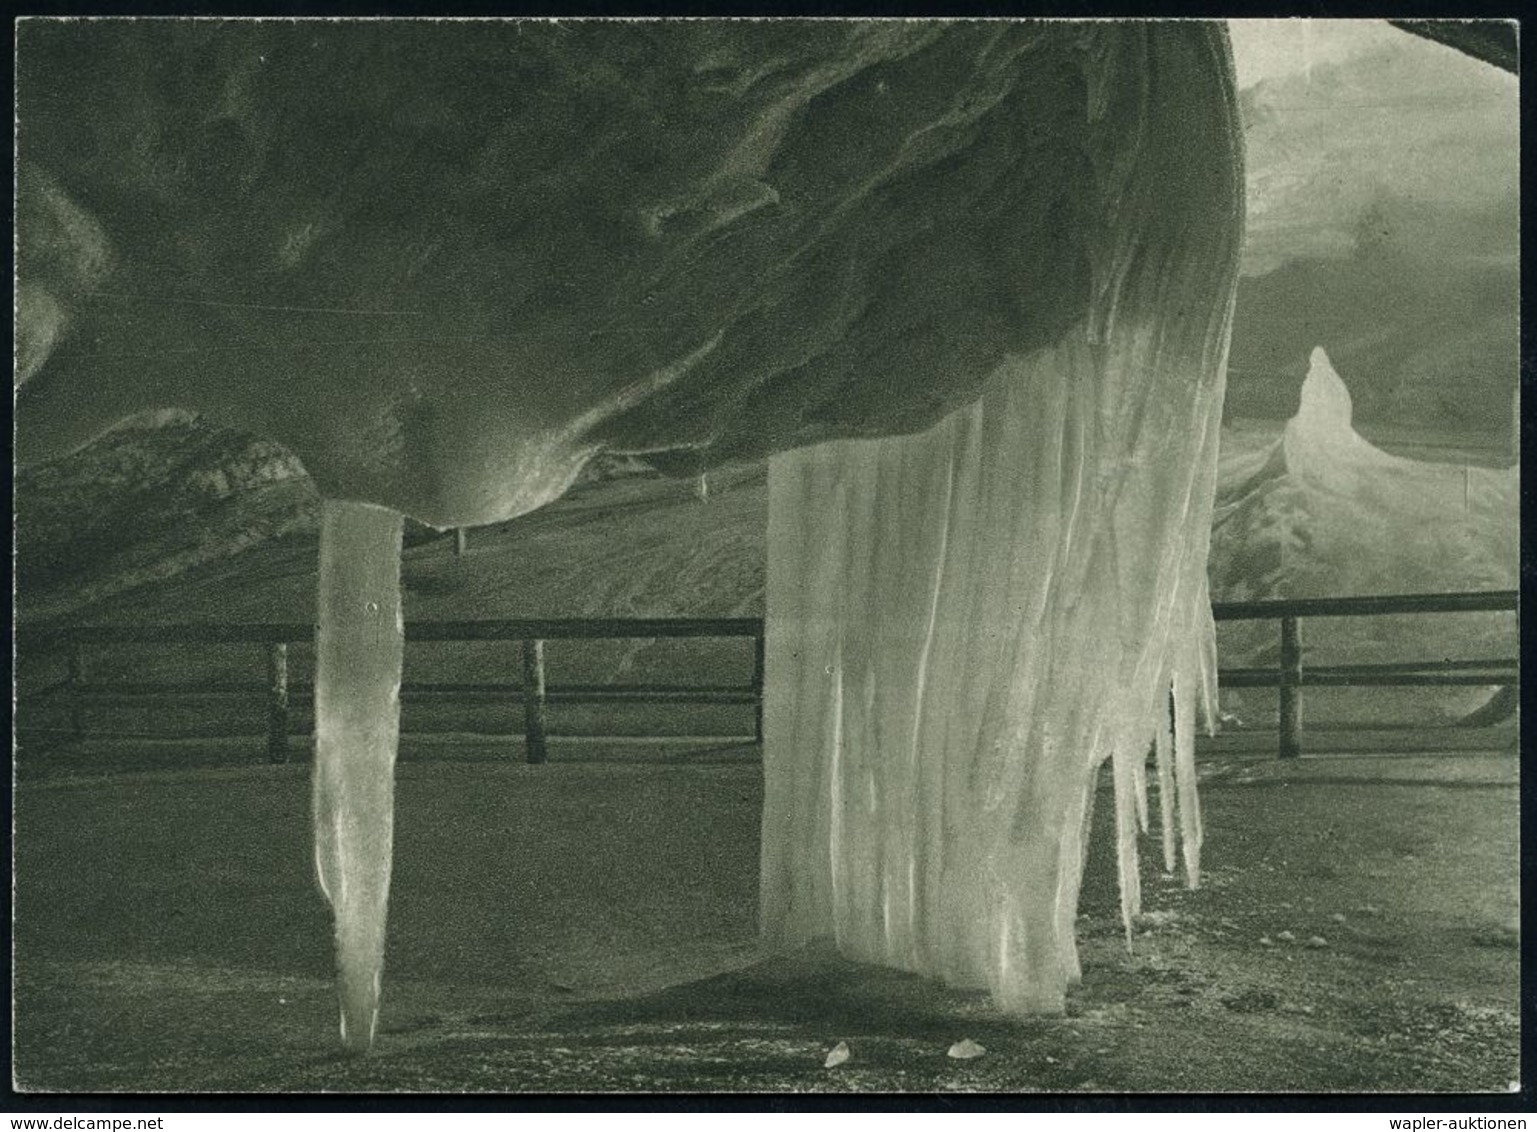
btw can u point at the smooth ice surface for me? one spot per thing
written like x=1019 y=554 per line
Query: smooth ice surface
x=357 y=722
x=966 y=623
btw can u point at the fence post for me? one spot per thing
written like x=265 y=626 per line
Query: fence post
x=533 y=699
x=1291 y=688
x=77 y=679
x=757 y=683
x=277 y=702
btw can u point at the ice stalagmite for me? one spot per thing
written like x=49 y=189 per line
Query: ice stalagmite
x=966 y=623
x=357 y=722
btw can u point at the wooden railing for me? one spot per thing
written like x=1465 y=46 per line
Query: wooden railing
x=533 y=690
x=1290 y=676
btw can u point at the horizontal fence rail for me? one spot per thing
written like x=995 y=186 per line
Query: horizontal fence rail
x=547 y=629
x=1470 y=601
x=534 y=692
x=1290 y=675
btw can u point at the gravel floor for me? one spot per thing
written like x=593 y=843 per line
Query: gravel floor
x=592 y=927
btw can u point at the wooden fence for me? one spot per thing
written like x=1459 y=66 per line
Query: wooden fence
x=1290 y=676
x=532 y=690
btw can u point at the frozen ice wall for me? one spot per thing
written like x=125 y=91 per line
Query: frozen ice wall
x=965 y=624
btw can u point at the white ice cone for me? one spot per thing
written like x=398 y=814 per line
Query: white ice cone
x=357 y=721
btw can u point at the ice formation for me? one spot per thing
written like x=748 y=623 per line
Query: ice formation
x=357 y=721
x=768 y=236
x=966 y=623
x=950 y=659
x=1322 y=511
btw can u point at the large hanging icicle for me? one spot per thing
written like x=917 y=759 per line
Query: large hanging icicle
x=965 y=624
x=357 y=722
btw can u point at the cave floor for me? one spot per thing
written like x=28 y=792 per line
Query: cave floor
x=591 y=927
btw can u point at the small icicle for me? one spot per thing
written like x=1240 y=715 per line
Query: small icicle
x=1139 y=787
x=357 y=719
x=1163 y=746
x=1123 y=765
x=1205 y=637
x=1185 y=779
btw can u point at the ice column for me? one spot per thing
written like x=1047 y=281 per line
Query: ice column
x=963 y=625
x=357 y=723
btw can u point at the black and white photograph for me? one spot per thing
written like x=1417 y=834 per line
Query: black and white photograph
x=692 y=556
